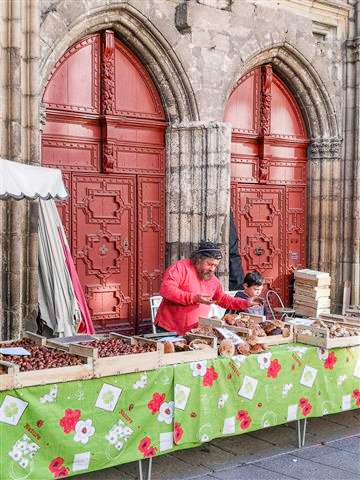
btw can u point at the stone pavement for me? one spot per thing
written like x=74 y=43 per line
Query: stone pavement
x=332 y=451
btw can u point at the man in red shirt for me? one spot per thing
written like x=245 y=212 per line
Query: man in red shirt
x=189 y=287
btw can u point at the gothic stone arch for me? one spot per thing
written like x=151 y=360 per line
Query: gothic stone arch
x=324 y=205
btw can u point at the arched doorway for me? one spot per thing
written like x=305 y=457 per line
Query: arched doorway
x=105 y=129
x=268 y=176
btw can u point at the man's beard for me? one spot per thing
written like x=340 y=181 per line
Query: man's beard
x=205 y=275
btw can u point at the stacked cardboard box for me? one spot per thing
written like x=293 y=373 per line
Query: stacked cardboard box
x=312 y=292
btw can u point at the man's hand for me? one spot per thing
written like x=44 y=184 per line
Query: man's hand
x=256 y=301
x=203 y=299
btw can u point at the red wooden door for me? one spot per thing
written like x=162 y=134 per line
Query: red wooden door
x=268 y=176
x=105 y=130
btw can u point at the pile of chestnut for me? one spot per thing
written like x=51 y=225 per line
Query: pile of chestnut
x=112 y=347
x=41 y=357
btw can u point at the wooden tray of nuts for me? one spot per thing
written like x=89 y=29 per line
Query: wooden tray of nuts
x=269 y=332
x=44 y=365
x=328 y=334
x=114 y=354
x=230 y=343
x=192 y=349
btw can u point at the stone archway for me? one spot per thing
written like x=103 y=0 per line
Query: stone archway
x=325 y=212
x=196 y=152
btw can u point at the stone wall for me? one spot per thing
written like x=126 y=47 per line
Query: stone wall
x=196 y=51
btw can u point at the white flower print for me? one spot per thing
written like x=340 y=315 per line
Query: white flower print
x=264 y=360
x=322 y=353
x=142 y=382
x=166 y=412
x=341 y=379
x=23 y=462
x=111 y=437
x=16 y=454
x=239 y=360
x=300 y=351
x=286 y=388
x=204 y=438
x=198 y=368
x=222 y=400
x=118 y=445
x=51 y=396
x=325 y=411
x=84 y=430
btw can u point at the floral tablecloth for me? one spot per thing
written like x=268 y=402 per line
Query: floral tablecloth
x=60 y=430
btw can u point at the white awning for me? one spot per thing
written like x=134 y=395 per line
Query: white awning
x=18 y=181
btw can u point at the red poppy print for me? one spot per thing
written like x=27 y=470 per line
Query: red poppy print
x=62 y=473
x=274 y=368
x=156 y=402
x=151 y=452
x=40 y=423
x=56 y=464
x=144 y=444
x=209 y=377
x=356 y=396
x=302 y=402
x=330 y=361
x=306 y=409
x=243 y=417
x=305 y=406
x=69 y=420
x=178 y=432
x=245 y=423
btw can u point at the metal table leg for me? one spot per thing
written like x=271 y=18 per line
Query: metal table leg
x=140 y=470
x=149 y=468
x=141 y=475
x=301 y=431
x=304 y=432
x=298 y=429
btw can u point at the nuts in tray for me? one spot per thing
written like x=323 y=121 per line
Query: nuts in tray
x=186 y=344
x=112 y=347
x=336 y=330
x=41 y=357
x=227 y=348
x=261 y=329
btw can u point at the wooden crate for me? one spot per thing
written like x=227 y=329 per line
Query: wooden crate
x=135 y=362
x=320 y=336
x=348 y=319
x=243 y=331
x=14 y=378
x=191 y=355
x=8 y=372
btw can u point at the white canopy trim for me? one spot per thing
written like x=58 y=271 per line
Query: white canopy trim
x=18 y=181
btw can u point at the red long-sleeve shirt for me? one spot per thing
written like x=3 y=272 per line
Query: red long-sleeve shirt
x=181 y=283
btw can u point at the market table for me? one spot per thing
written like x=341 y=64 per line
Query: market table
x=64 y=429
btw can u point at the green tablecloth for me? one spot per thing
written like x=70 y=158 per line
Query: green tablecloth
x=54 y=431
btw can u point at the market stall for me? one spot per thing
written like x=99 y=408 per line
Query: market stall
x=64 y=429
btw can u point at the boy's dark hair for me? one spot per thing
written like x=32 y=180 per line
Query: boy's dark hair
x=253 y=278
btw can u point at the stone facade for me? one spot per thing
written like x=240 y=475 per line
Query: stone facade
x=195 y=51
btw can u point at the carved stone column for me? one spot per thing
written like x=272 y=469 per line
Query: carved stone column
x=351 y=188
x=325 y=216
x=19 y=137
x=198 y=188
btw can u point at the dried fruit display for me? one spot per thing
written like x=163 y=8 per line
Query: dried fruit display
x=112 y=347
x=41 y=357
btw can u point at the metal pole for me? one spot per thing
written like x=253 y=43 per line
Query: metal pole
x=140 y=470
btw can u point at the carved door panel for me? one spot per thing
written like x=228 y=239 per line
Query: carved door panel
x=269 y=175
x=259 y=213
x=151 y=242
x=105 y=129
x=104 y=247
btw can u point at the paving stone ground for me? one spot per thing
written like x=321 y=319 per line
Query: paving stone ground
x=331 y=452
